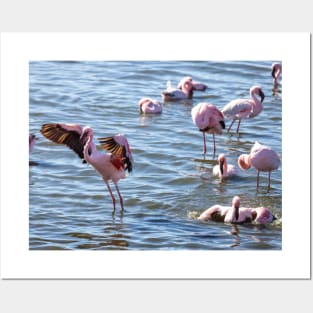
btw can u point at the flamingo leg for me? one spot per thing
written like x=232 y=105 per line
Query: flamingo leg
x=269 y=180
x=120 y=196
x=214 y=146
x=231 y=124
x=204 y=143
x=257 y=179
x=111 y=194
x=239 y=121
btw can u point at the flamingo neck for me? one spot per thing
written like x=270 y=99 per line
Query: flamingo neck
x=257 y=105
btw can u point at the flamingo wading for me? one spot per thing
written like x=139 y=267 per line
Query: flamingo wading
x=111 y=166
x=209 y=119
x=239 y=109
x=262 y=158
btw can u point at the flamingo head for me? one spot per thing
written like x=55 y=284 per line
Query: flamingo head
x=244 y=161
x=187 y=88
x=258 y=91
x=142 y=102
x=86 y=135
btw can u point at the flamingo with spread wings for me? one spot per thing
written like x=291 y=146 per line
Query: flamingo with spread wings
x=111 y=166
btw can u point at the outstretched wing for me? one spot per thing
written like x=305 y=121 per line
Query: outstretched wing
x=66 y=134
x=118 y=149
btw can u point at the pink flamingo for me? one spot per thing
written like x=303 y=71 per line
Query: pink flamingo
x=173 y=94
x=223 y=169
x=227 y=214
x=209 y=119
x=262 y=158
x=239 y=109
x=149 y=106
x=262 y=215
x=236 y=214
x=276 y=72
x=196 y=86
x=111 y=166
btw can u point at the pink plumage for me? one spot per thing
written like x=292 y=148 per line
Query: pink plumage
x=209 y=119
x=239 y=109
x=262 y=158
x=236 y=214
x=149 y=106
x=111 y=166
x=223 y=169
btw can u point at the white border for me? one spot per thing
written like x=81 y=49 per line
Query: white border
x=17 y=49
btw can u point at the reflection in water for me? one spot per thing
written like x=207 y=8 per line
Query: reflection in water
x=235 y=232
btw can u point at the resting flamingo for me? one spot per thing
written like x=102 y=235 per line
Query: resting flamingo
x=222 y=169
x=173 y=94
x=149 y=106
x=236 y=214
x=111 y=166
x=276 y=73
x=262 y=158
x=239 y=109
x=209 y=119
x=196 y=86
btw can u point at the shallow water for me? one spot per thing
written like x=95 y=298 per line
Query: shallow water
x=172 y=183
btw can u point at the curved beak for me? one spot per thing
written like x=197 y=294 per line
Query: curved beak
x=236 y=213
x=273 y=72
x=221 y=167
x=262 y=95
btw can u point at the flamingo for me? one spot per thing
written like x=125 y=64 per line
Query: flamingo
x=276 y=72
x=236 y=214
x=262 y=158
x=244 y=108
x=149 y=106
x=223 y=169
x=262 y=215
x=196 y=86
x=111 y=166
x=173 y=94
x=209 y=119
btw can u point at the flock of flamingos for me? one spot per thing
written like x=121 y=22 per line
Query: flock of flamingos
x=112 y=166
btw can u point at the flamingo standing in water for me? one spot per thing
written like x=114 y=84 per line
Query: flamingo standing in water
x=196 y=86
x=222 y=169
x=236 y=214
x=262 y=158
x=111 y=166
x=209 y=119
x=276 y=72
x=239 y=109
x=173 y=94
x=149 y=106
